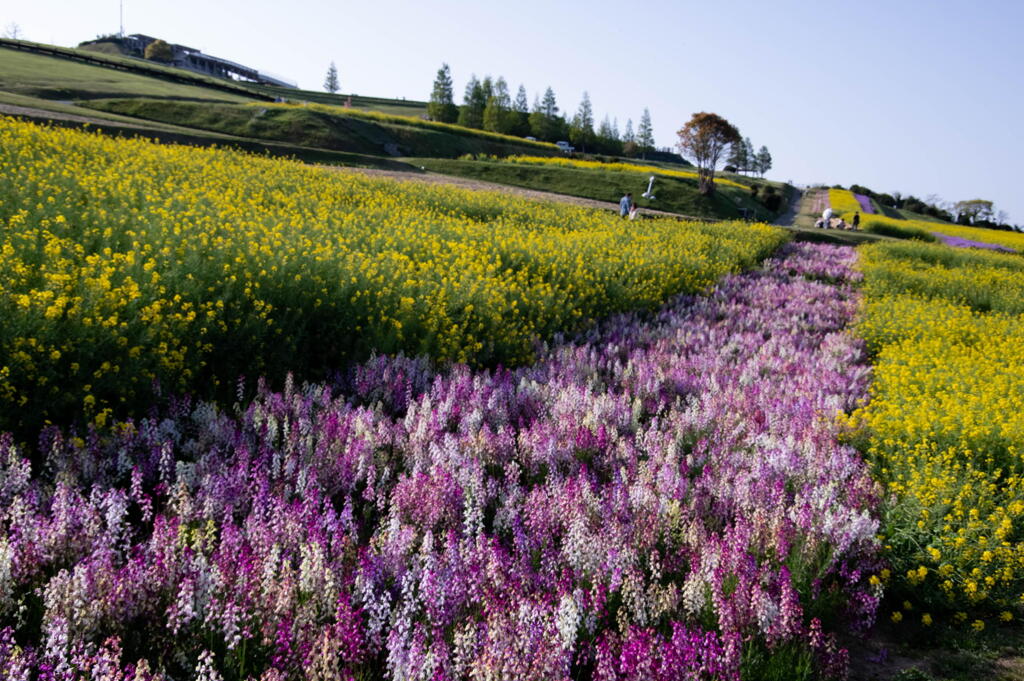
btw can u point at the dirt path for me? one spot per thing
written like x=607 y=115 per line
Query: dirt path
x=789 y=217
x=42 y=114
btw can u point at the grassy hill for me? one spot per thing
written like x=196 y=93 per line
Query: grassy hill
x=400 y=107
x=326 y=127
x=676 y=195
x=128 y=96
x=63 y=73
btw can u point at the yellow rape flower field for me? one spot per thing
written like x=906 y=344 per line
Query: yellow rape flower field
x=843 y=202
x=129 y=267
x=944 y=429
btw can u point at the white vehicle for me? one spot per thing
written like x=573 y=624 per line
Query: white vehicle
x=565 y=146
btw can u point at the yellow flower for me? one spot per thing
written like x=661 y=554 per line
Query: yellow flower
x=897 y=616
x=926 y=619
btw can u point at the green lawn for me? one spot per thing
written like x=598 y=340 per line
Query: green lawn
x=119 y=125
x=399 y=107
x=674 y=195
x=316 y=127
x=47 y=77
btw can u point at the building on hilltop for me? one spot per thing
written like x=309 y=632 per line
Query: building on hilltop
x=185 y=57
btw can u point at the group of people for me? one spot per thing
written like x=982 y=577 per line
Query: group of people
x=627 y=207
x=826 y=221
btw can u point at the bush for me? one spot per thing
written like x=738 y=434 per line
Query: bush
x=159 y=50
x=772 y=202
x=887 y=227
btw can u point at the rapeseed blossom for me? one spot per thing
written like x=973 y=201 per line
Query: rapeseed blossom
x=844 y=203
x=129 y=268
x=943 y=430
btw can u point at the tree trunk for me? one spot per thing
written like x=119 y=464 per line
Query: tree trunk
x=706 y=184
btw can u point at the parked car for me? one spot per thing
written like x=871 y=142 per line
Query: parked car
x=532 y=139
x=565 y=146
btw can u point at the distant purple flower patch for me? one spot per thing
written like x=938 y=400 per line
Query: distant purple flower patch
x=959 y=242
x=865 y=203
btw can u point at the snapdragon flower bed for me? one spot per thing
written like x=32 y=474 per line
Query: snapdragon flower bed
x=662 y=498
x=960 y=242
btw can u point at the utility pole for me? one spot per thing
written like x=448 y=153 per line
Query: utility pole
x=122 y=18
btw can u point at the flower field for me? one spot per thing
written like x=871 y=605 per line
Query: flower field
x=996 y=237
x=623 y=167
x=960 y=242
x=663 y=497
x=865 y=204
x=944 y=430
x=919 y=230
x=130 y=268
x=470 y=439
x=844 y=203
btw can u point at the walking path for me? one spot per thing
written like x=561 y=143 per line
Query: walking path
x=789 y=217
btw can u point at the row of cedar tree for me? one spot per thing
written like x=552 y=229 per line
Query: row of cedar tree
x=488 y=105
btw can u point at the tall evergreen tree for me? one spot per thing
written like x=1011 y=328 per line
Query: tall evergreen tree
x=748 y=152
x=471 y=113
x=545 y=123
x=548 y=105
x=487 y=88
x=629 y=135
x=581 y=129
x=615 y=130
x=441 y=106
x=521 y=113
x=737 y=157
x=522 y=104
x=645 y=134
x=536 y=119
x=331 y=81
x=499 y=106
x=764 y=161
x=608 y=141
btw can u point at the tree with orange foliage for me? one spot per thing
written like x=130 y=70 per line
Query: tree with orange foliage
x=704 y=139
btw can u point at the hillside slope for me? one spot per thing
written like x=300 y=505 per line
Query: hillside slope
x=327 y=128
x=54 y=72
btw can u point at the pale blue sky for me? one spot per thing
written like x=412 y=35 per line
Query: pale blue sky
x=917 y=96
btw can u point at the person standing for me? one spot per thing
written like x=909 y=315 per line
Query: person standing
x=826 y=217
x=624 y=204
x=633 y=211
x=856 y=220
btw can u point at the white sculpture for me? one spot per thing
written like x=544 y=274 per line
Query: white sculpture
x=647 y=194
